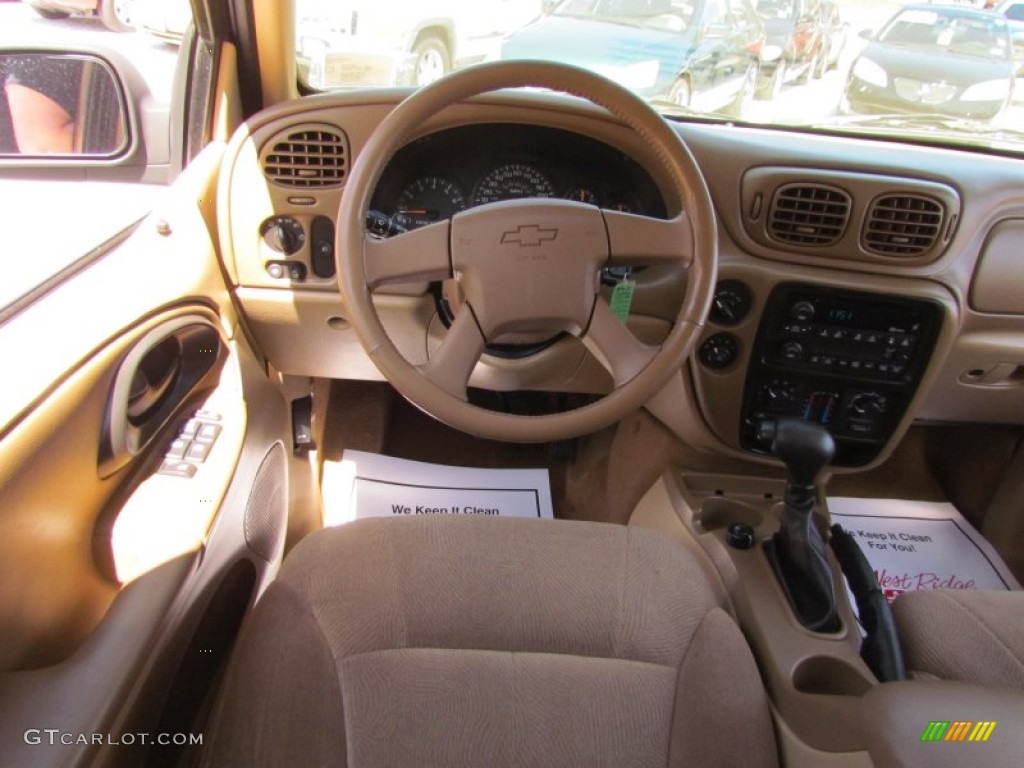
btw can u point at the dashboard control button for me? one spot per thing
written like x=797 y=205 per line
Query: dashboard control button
x=869 y=404
x=792 y=350
x=731 y=303
x=720 y=351
x=322 y=255
x=802 y=311
x=283 y=234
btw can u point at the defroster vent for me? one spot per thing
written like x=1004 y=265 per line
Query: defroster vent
x=902 y=225
x=307 y=156
x=808 y=214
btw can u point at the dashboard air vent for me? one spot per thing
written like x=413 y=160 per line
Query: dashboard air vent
x=808 y=214
x=902 y=225
x=307 y=156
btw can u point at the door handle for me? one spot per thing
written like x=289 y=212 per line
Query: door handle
x=166 y=369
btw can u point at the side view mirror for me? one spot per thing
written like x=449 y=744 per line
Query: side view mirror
x=81 y=112
x=61 y=104
x=547 y=6
x=867 y=34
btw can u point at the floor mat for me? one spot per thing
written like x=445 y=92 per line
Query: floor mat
x=371 y=485
x=915 y=545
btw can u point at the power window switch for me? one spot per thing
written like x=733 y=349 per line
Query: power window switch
x=176 y=468
x=199 y=451
x=178 y=448
x=208 y=433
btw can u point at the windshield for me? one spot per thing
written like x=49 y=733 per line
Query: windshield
x=919 y=72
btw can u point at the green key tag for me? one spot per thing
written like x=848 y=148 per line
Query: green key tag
x=622 y=299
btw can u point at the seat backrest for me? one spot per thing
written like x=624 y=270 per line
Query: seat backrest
x=971 y=636
x=491 y=642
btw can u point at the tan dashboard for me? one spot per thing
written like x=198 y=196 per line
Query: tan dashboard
x=859 y=282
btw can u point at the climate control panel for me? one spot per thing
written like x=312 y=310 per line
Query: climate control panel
x=848 y=360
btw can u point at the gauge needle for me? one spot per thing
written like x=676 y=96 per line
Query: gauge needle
x=415 y=211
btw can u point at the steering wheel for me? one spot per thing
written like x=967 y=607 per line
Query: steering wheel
x=527 y=265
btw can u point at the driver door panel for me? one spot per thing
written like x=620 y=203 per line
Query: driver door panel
x=118 y=575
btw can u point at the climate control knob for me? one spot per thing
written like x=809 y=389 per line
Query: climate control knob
x=869 y=404
x=720 y=351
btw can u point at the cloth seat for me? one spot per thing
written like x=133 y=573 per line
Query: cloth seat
x=472 y=642
x=972 y=636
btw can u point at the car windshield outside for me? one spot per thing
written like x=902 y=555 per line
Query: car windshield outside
x=820 y=65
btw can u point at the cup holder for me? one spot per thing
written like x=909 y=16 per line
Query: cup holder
x=717 y=513
x=829 y=675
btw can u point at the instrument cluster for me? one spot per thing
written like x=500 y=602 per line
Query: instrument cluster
x=435 y=177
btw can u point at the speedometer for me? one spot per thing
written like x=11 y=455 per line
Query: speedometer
x=511 y=182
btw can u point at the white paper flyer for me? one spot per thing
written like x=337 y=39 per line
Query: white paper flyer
x=371 y=485
x=920 y=545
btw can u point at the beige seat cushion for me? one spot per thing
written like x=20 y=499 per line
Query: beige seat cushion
x=972 y=636
x=471 y=642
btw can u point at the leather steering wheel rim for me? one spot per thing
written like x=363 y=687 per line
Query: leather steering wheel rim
x=436 y=252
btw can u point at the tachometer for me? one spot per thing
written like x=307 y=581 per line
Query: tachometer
x=426 y=200
x=511 y=182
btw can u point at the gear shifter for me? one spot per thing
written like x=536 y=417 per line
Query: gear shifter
x=797 y=551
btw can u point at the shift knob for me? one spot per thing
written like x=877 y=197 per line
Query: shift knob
x=805 y=447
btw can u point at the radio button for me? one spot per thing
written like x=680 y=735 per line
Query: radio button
x=802 y=311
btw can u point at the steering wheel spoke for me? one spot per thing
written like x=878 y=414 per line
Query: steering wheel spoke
x=420 y=255
x=619 y=351
x=640 y=240
x=452 y=364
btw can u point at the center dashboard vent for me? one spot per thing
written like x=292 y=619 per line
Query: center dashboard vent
x=307 y=156
x=902 y=225
x=808 y=214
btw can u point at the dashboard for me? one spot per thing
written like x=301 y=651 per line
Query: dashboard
x=863 y=284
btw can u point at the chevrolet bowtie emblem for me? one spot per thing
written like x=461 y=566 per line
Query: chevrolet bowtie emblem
x=529 y=236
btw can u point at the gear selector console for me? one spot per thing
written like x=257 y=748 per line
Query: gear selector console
x=850 y=361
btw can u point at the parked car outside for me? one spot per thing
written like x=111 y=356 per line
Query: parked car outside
x=116 y=15
x=164 y=19
x=835 y=31
x=946 y=60
x=795 y=43
x=366 y=43
x=1013 y=10
x=699 y=54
